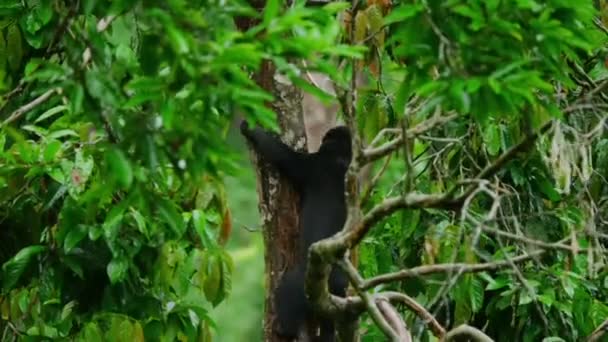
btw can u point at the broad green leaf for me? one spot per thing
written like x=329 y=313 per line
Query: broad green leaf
x=403 y=12
x=117 y=269
x=100 y=87
x=213 y=277
x=14 y=267
x=51 y=150
x=92 y=333
x=271 y=10
x=73 y=237
x=492 y=139
x=547 y=188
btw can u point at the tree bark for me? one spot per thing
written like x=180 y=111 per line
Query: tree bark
x=278 y=201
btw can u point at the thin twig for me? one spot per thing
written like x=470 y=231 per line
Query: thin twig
x=29 y=106
x=446 y=268
x=369 y=155
x=539 y=243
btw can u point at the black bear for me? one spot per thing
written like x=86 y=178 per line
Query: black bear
x=319 y=180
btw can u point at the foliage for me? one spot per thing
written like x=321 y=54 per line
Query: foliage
x=113 y=155
x=506 y=68
x=113 y=211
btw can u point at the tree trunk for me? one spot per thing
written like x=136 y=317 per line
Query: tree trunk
x=278 y=201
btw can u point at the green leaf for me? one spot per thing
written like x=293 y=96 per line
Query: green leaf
x=51 y=112
x=492 y=139
x=95 y=232
x=92 y=333
x=39 y=131
x=476 y=294
x=169 y=213
x=73 y=237
x=200 y=223
x=125 y=55
x=547 y=188
x=68 y=309
x=33 y=65
x=140 y=221
x=119 y=167
x=113 y=222
x=333 y=7
x=15 y=266
x=117 y=269
x=178 y=40
x=271 y=10
x=100 y=87
x=44 y=12
x=76 y=99
x=51 y=150
x=403 y=12
x=212 y=283
x=62 y=133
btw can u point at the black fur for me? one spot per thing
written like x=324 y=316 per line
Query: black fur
x=319 y=180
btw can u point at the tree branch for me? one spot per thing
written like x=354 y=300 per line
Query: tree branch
x=372 y=154
x=446 y=268
x=394 y=319
x=368 y=301
x=598 y=332
x=504 y=158
x=31 y=105
x=539 y=243
x=464 y=329
x=419 y=310
x=387 y=207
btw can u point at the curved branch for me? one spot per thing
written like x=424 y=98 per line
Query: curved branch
x=437 y=329
x=372 y=308
x=391 y=315
x=468 y=330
